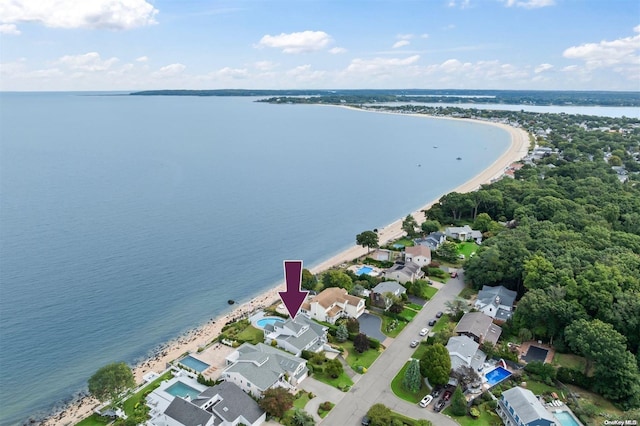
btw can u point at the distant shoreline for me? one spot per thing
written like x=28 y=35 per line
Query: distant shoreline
x=203 y=334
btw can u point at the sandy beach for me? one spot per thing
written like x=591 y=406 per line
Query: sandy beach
x=203 y=335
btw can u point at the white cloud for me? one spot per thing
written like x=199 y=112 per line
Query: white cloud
x=97 y=14
x=305 y=74
x=542 y=68
x=405 y=36
x=400 y=43
x=300 y=42
x=337 y=50
x=232 y=73
x=636 y=29
x=380 y=65
x=9 y=29
x=425 y=35
x=530 y=4
x=88 y=62
x=463 y=4
x=170 y=70
x=142 y=59
x=623 y=51
x=265 y=65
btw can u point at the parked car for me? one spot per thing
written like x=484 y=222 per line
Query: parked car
x=454 y=274
x=414 y=343
x=436 y=392
x=424 y=331
x=426 y=401
x=365 y=421
x=439 y=314
x=440 y=405
x=432 y=323
x=446 y=395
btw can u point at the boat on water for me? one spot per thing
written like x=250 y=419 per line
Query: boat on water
x=435 y=146
x=459 y=158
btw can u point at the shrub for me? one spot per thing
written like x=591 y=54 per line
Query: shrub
x=474 y=412
x=546 y=372
x=326 y=406
x=374 y=343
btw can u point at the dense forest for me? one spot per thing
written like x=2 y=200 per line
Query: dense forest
x=565 y=234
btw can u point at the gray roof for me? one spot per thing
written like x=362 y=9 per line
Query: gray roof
x=187 y=413
x=468 y=349
x=310 y=330
x=479 y=325
x=390 y=287
x=235 y=403
x=497 y=295
x=272 y=363
x=503 y=314
x=526 y=405
x=407 y=268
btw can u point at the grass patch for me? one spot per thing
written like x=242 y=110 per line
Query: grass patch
x=392 y=333
x=94 y=420
x=607 y=411
x=301 y=402
x=468 y=293
x=402 y=393
x=538 y=388
x=405 y=242
x=467 y=248
x=429 y=292
x=251 y=334
x=570 y=361
x=420 y=350
x=138 y=397
x=441 y=323
x=408 y=314
x=355 y=358
x=342 y=382
x=487 y=417
x=414 y=306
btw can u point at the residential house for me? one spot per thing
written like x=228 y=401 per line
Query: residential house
x=379 y=294
x=297 y=335
x=256 y=368
x=464 y=351
x=333 y=303
x=479 y=327
x=496 y=302
x=464 y=233
x=420 y=255
x=224 y=404
x=404 y=272
x=520 y=407
x=433 y=240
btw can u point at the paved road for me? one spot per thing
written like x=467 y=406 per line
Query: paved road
x=375 y=386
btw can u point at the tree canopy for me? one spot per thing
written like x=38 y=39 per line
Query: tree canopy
x=435 y=364
x=275 y=401
x=110 y=381
x=367 y=239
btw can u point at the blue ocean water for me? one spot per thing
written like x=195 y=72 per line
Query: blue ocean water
x=126 y=220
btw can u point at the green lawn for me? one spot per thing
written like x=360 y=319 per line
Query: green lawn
x=322 y=413
x=442 y=323
x=570 y=361
x=342 y=382
x=354 y=358
x=402 y=393
x=429 y=292
x=251 y=334
x=538 y=388
x=301 y=402
x=405 y=242
x=408 y=314
x=138 y=397
x=94 y=420
x=420 y=350
x=467 y=248
x=487 y=417
x=414 y=306
x=468 y=293
x=393 y=333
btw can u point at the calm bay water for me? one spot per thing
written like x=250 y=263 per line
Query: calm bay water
x=127 y=220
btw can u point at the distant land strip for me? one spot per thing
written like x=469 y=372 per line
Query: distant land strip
x=451 y=96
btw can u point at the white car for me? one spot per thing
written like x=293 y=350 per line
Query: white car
x=426 y=401
x=424 y=331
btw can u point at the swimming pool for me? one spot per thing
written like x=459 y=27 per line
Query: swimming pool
x=268 y=320
x=497 y=375
x=566 y=419
x=194 y=364
x=364 y=270
x=182 y=390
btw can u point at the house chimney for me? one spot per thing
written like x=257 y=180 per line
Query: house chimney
x=480 y=338
x=497 y=300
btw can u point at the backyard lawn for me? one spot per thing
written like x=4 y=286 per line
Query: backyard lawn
x=355 y=359
x=402 y=393
x=467 y=248
x=569 y=361
x=138 y=397
x=487 y=417
x=405 y=242
x=94 y=420
x=251 y=334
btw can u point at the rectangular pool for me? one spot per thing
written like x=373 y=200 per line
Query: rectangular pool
x=497 y=375
x=194 y=364
x=565 y=418
x=182 y=390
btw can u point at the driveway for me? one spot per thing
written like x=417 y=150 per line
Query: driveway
x=371 y=325
x=323 y=393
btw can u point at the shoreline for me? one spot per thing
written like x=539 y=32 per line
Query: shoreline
x=203 y=334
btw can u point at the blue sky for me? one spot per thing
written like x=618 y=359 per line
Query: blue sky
x=288 y=44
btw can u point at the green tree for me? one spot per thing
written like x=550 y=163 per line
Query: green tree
x=110 y=381
x=456 y=306
x=361 y=343
x=367 y=239
x=448 y=251
x=335 y=278
x=412 y=381
x=309 y=281
x=379 y=415
x=275 y=401
x=614 y=160
x=334 y=368
x=409 y=225
x=429 y=226
x=435 y=364
x=458 y=403
x=482 y=222
x=302 y=418
x=353 y=326
x=342 y=334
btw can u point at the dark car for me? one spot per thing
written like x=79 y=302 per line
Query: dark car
x=439 y=314
x=432 y=323
x=436 y=392
x=365 y=421
x=439 y=406
x=446 y=395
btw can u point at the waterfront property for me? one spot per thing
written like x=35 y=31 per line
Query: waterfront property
x=193 y=363
x=479 y=327
x=331 y=304
x=404 y=272
x=496 y=302
x=295 y=336
x=418 y=254
x=520 y=407
x=433 y=240
x=464 y=233
x=256 y=368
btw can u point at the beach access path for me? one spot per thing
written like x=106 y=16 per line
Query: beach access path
x=201 y=336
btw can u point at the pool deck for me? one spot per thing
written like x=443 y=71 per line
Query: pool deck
x=557 y=406
x=375 y=271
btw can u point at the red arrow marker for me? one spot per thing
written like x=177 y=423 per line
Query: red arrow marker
x=293 y=297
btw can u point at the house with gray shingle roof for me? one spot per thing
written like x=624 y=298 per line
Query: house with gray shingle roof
x=496 y=302
x=464 y=233
x=295 y=336
x=256 y=368
x=479 y=327
x=520 y=407
x=379 y=293
x=418 y=254
x=433 y=240
x=464 y=351
x=404 y=272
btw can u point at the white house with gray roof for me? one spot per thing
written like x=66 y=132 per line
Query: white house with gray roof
x=418 y=254
x=496 y=302
x=379 y=293
x=479 y=327
x=404 y=272
x=433 y=240
x=520 y=407
x=463 y=233
x=295 y=336
x=256 y=368
x=464 y=351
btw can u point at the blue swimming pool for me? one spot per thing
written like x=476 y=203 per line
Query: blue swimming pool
x=268 y=320
x=497 y=375
x=194 y=364
x=566 y=419
x=182 y=390
x=364 y=270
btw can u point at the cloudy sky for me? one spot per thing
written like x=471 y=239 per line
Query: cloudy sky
x=278 y=44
